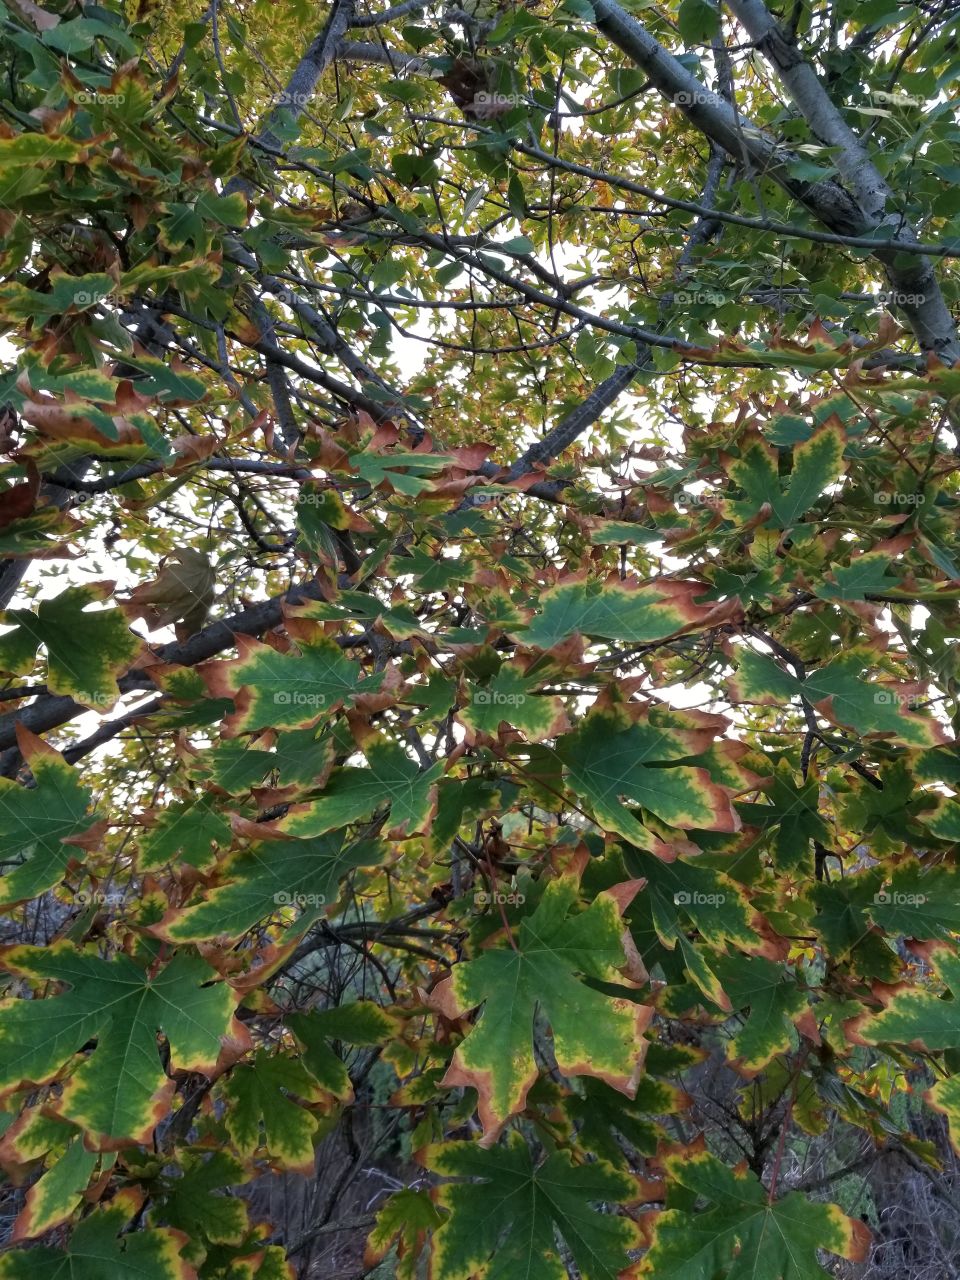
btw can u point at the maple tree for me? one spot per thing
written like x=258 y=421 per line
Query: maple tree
x=540 y=425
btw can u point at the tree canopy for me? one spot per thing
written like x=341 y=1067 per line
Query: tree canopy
x=479 y=565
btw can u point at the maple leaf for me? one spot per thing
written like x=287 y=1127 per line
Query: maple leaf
x=616 y=610
x=407 y=1218
x=602 y=1113
x=775 y=1002
x=503 y=1222
x=839 y=691
x=122 y=1007
x=262 y=880
x=593 y=1033
x=358 y=1022
x=189 y=1201
x=96 y=1249
x=85 y=651
x=56 y=1196
x=512 y=697
x=261 y=1109
x=608 y=760
x=744 y=1235
x=189 y=831
x=817 y=463
x=792 y=812
x=287 y=690
x=923 y=1019
x=40 y=823
x=261 y=1094
x=352 y=794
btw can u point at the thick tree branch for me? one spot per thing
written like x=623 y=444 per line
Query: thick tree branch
x=52 y=710
x=929 y=318
x=829 y=201
x=577 y=420
x=389 y=15
x=300 y=87
x=367 y=51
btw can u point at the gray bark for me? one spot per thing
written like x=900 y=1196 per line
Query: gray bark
x=919 y=299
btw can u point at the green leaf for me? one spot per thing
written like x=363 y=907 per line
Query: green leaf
x=85 y=651
x=29 y=149
x=270 y=877
x=190 y=1203
x=359 y=1023
x=122 y=1007
x=615 y=611
x=185 y=832
x=843 y=923
x=614 y=532
x=287 y=690
x=775 y=1003
x=743 y=1235
x=713 y=903
x=920 y=1018
x=609 y=761
x=406 y=473
x=399 y=619
x=839 y=691
x=601 y=1113
x=54 y=1198
x=865 y=575
x=512 y=697
x=37 y=822
x=261 y=1110
x=504 y=1221
x=406 y=1219
x=229 y=210
x=792 y=813
x=519 y=244
x=817 y=463
x=593 y=1034
x=697 y=21
x=918 y=903
x=79 y=34
x=95 y=1251
x=352 y=794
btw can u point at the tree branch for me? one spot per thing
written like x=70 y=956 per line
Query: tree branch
x=929 y=318
x=828 y=200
